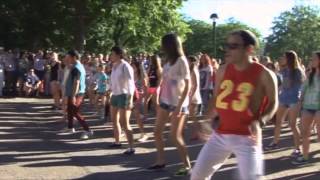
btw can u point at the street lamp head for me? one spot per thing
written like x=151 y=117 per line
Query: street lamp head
x=214 y=16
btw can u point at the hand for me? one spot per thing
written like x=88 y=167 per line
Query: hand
x=177 y=112
x=256 y=132
x=215 y=122
x=130 y=104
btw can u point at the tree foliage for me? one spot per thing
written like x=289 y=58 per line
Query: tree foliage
x=298 y=30
x=137 y=24
x=201 y=37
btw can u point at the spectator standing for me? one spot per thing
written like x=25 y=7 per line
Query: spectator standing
x=10 y=73
x=39 y=65
x=206 y=72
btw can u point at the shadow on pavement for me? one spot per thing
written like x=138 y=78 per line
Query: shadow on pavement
x=30 y=130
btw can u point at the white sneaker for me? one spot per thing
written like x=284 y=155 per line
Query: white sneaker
x=67 y=131
x=122 y=134
x=86 y=135
x=143 y=138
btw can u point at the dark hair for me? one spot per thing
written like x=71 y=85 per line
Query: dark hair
x=172 y=47
x=292 y=63
x=73 y=53
x=138 y=66
x=248 y=37
x=22 y=54
x=256 y=59
x=119 y=51
x=271 y=66
x=193 y=62
x=155 y=62
x=313 y=71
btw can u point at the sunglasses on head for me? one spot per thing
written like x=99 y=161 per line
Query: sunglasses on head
x=232 y=46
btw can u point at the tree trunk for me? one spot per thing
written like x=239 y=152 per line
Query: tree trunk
x=118 y=32
x=80 y=25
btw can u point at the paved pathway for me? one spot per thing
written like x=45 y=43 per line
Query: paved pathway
x=31 y=149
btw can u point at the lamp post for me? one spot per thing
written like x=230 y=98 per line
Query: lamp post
x=214 y=18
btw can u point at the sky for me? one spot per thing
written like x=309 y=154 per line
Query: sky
x=255 y=13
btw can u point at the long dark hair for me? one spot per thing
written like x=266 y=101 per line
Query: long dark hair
x=155 y=62
x=292 y=63
x=140 y=71
x=172 y=47
x=314 y=70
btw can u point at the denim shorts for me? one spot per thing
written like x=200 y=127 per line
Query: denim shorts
x=120 y=101
x=287 y=105
x=171 y=108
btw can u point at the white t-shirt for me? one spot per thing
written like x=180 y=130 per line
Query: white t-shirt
x=196 y=98
x=173 y=82
x=122 y=79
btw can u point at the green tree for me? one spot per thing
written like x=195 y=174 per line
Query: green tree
x=201 y=40
x=296 y=30
x=32 y=23
x=137 y=24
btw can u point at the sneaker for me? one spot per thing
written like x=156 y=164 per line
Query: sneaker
x=115 y=145
x=300 y=161
x=143 y=138
x=156 y=167
x=182 y=172
x=122 y=134
x=129 y=151
x=271 y=146
x=67 y=131
x=296 y=153
x=86 y=135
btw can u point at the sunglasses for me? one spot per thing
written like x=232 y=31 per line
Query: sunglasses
x=232 y=46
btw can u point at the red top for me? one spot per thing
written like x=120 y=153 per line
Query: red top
x=234 y=97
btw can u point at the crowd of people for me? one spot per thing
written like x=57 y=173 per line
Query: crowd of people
x=237 y=97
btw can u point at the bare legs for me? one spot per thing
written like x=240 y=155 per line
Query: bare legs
x=177 y=126
x=120 y=117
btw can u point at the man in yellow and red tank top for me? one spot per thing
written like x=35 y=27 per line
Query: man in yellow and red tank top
x=245 y=98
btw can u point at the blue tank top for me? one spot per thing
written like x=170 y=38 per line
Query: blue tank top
x=80 y=68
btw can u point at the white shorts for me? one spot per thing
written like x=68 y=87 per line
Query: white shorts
x=218 y=149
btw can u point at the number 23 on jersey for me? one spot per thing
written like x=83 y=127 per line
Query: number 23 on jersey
x=241 y=101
